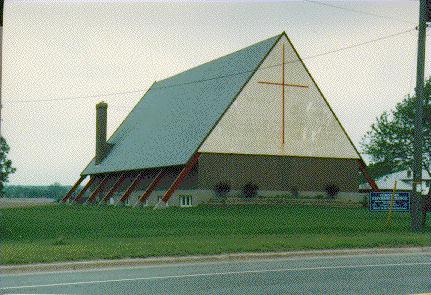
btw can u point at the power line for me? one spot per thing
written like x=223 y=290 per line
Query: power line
x=80 y=97
x=297 y=60
x=360 y=11
x=222 y=76
x=363 y=43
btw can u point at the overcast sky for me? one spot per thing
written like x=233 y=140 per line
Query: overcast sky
x=56 y=50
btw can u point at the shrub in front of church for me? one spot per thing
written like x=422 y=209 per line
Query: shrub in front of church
x=221 y=190
x=364 y=202
x=332 y=190
x=249 y=190
x=294 y=191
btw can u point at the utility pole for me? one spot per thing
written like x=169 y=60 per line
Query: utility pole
x=1 y=56
x=418 y=130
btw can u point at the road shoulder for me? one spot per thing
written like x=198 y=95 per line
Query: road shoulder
x=131 y=262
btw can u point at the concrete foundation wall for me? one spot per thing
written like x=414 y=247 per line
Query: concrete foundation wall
x=198 y=197
x=210 y=194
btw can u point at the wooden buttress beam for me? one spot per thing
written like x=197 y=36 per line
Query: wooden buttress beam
x=84 y=189
x=367 y=176
x=131 y=188
x=180 y=178
x=98 y=189
x=74 y=187
x=114 y=188
x=151 y=187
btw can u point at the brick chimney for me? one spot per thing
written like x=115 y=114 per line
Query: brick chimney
x=102 y=147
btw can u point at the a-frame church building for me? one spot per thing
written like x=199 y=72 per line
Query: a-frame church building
x=255 y=116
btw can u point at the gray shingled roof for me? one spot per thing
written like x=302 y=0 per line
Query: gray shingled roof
x=174 y=117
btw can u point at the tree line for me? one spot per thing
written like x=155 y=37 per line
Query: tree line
x=53 y=191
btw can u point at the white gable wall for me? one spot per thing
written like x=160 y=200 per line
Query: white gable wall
x=252 y=124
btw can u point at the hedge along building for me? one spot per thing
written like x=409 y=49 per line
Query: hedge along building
x=255 y=116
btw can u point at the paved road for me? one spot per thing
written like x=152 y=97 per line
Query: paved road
x=367 y=274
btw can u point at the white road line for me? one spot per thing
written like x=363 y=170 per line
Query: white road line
x=215 y=262
x=219 y=274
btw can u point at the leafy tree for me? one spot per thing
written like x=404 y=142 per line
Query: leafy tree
x=390 y=140
x=5 y=165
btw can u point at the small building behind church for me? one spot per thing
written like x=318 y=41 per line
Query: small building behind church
x=254 y=118
x=403 y=180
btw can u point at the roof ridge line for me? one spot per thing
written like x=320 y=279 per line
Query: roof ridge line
x=217 y=58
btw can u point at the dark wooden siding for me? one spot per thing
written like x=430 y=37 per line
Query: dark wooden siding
x=277 y=173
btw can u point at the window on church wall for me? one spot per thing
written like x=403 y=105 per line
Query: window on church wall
x=185 y=201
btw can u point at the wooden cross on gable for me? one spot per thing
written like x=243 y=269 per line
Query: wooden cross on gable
x=283 y=85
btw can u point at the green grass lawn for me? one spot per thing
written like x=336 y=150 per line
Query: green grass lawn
x=60 y=233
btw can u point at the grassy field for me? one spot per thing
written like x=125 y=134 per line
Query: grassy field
x=60 y=233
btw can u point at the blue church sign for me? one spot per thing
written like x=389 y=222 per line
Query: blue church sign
x=382 y=201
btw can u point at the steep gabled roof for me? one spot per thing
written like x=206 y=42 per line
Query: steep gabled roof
x=175 y=116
